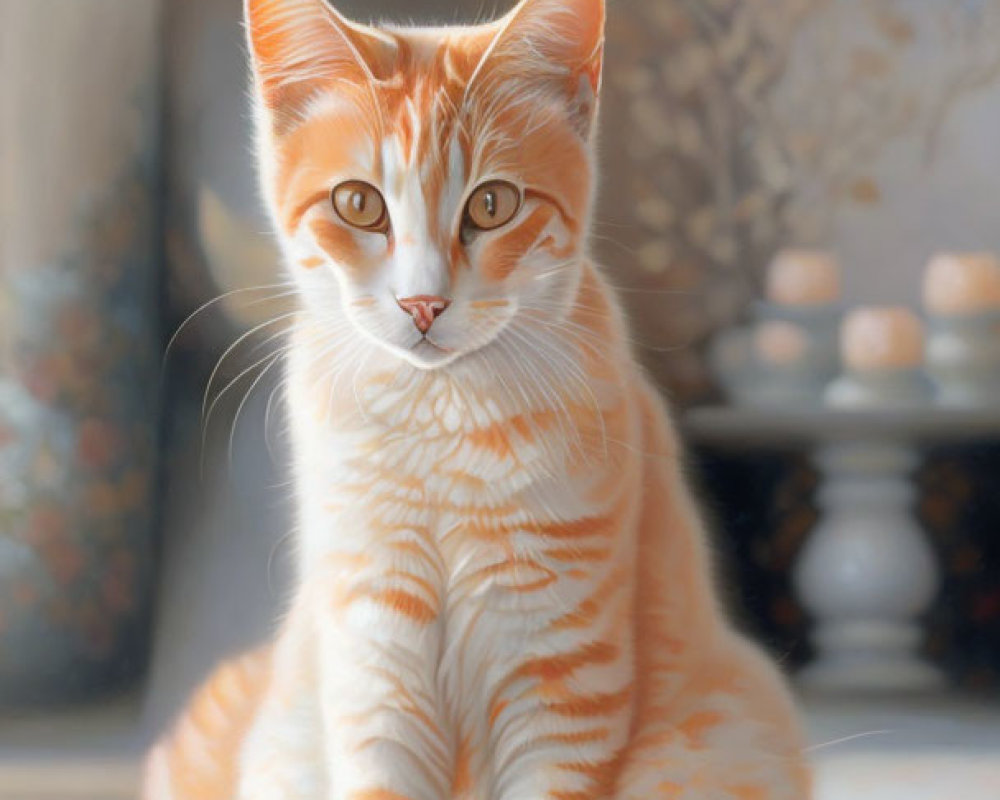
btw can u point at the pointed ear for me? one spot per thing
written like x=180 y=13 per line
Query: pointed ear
x=557 y=45
x=301 y=46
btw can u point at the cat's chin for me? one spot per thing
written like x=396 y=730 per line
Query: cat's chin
x=428 y=356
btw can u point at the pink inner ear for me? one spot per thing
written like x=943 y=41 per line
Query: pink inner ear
x=570 y=31
x=555 y=42
x=593 y=70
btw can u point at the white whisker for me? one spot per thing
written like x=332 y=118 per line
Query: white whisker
x=214 y=301
x=846 y=739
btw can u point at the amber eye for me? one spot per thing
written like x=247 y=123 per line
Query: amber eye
x=492 y=205
x=360 y=204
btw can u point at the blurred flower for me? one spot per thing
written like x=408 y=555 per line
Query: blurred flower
x=987 y=606
x=99 y=443
x=118 y=589
x=46 y=524
x=64 y=561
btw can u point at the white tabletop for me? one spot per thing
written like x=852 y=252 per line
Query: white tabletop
x=938 y=748
x=739 y=427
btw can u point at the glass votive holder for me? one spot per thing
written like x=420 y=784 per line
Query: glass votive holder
x=962 y=300
x=883 y=354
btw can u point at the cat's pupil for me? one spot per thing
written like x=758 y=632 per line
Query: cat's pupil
x=358 y=201
x=490 y=203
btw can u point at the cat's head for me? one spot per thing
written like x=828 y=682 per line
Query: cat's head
x=429 y=185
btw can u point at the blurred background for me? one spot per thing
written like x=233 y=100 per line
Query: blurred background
x=799 y=207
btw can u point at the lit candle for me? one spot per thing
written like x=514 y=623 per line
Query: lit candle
x=876 y=339
x=962 y=283
x=804 y=278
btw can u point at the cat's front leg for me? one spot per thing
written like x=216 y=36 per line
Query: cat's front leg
x=546 y=675
x=281 y=757
x=380 y=633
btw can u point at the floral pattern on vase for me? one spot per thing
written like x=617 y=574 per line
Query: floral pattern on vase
x=78 y=355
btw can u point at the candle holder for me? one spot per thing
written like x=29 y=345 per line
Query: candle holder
x=731 y=359
x=962 y=298
x=883 y=353
x=963 y=359
x=788 y=353
x=819 y=359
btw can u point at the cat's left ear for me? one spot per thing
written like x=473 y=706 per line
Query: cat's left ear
x=301 y=47
x=553 y=46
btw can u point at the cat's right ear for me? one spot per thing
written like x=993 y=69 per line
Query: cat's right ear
x=300 y=48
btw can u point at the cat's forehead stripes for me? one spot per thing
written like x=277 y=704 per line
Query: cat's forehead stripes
x=414 y=131
x=421 y=132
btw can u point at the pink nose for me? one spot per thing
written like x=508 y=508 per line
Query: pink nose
x=424 y=309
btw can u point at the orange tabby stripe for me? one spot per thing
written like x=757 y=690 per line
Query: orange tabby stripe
x=592 y=705
x=407 y=604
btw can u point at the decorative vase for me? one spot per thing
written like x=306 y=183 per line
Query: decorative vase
x=79 y=349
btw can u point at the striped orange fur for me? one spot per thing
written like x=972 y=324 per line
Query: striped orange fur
x=504 y=590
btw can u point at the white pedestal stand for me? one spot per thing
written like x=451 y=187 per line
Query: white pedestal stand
x=867 y=573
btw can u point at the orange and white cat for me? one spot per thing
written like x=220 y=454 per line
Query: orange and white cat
x=503 y=589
